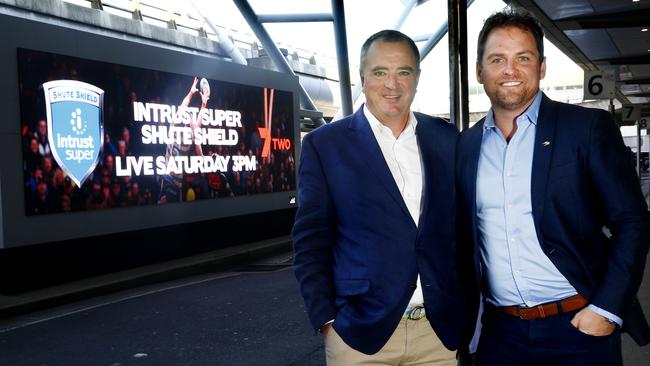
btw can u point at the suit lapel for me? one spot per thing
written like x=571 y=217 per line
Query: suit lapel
x=433 y=151
x=371 y=154
x=474 y=140
x=430 y=155
x=543 y=149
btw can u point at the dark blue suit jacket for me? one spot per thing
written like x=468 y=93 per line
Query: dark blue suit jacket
x=358 y=251
x=583 y=179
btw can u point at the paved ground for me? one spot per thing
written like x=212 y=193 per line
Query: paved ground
x=239 y=318
x=250 y=316
x=634 y=355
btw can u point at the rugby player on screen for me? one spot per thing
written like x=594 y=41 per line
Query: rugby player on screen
x=171 y=185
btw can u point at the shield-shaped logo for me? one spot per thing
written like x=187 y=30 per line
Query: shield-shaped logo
x=75 y=126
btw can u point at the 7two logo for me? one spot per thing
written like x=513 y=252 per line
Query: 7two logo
x=265 y=132
x=278 y=143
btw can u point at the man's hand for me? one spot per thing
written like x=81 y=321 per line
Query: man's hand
x=326 y=328
x=589 y=322
x=194 y=89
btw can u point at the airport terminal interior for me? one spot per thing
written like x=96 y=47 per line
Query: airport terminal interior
x=151 y=155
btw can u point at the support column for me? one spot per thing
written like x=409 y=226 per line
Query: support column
x=341 y=40
x=458 y=96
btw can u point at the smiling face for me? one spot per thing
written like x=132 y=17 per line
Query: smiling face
x=389 y=78
x=510 y=69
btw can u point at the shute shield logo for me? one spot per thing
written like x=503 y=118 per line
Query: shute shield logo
x=75 y=126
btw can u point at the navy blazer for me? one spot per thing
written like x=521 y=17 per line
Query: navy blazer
x=583 y=179
x=358 y=251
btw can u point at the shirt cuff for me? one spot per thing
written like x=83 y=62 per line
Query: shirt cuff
x=320 y=330
x=611 y=317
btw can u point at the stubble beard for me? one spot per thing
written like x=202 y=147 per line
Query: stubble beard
x=512 y=100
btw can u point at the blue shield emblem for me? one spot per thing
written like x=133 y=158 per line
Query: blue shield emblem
x=75 y=126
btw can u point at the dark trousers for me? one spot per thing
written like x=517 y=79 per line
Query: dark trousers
x=507 y=340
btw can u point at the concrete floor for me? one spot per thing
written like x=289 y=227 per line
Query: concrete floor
x=252 y=315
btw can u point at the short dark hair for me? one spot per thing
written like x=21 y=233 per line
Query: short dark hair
x=511 y=18
x=389 y=35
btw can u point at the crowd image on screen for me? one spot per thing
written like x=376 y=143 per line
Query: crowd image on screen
x=48 y=189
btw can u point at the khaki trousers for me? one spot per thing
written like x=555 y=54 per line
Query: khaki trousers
x=413 y=343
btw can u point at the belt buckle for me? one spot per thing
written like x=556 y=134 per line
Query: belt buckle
x=523 y=313
x=416 y=313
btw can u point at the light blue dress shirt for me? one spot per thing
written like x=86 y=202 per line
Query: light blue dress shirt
x=519 y=272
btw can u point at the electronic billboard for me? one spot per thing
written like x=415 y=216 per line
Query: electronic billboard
x=98 y=135
x=107 y=133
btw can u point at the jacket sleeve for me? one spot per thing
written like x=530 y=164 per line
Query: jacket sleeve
x=625 y=213
x=313 y=236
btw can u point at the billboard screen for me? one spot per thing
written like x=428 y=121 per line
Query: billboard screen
x=98 y=135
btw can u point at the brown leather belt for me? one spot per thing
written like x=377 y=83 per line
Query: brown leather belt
x=545 y=310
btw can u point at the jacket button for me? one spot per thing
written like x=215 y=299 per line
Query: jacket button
x=414 y=286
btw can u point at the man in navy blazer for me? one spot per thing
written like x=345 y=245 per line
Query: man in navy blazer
x=374 y=232
x=554 y=225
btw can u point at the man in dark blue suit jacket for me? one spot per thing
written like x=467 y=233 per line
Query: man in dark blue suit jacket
x=376 y=217
x=551 y=216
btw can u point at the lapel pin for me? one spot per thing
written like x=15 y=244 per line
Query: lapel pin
x=546 y=143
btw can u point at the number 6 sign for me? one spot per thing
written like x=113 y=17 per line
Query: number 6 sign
x=599 y=84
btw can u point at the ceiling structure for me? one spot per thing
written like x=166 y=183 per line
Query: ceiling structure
x=595 y=34
x=600 y=35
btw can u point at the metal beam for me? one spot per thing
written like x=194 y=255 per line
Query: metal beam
x=272 y=50
x=311 y=114
x=433 y=41
x=635 y=60
x=621 y=97
x=224 y=41
x=636 y=81
x=458 y=95
x=639 y=94
x=435 y=38
x=422 y=37
x=294 y=18
x=340 y=36
x=627 y=19
x=408 y=8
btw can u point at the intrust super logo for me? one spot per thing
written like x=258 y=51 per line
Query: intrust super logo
x=75 y=126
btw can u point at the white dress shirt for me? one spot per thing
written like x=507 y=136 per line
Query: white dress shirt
x=520 y=273
x=402 y=155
